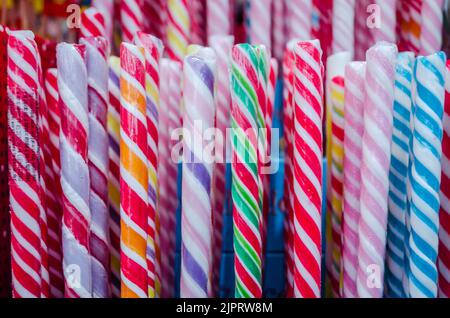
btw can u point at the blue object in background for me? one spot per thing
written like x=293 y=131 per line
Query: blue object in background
x=274 y=272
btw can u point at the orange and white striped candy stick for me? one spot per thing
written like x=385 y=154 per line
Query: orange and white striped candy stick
x=23 y=151
x=131 y=18
x=73 y=103
x=92 y=23
x=97 y=72
x=133 y=173
x=178 y=29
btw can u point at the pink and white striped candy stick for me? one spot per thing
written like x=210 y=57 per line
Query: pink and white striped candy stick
x=431 y=31
x=106 y=7
x=259 y=22
x=343 y=26
x=219 y=17
x=387 y=27
x=23 y=151
x=92 y=23
x=197 y=10
x=354 y=129
x=278 y=36
x=73 y=103
x=222 y=45
x=131 y=18
x=363 y=36
x=97 y=72
x=376 y=153
x=299 y=19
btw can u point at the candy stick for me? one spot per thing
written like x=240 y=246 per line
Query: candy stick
x=444 y=213
x=299 y=19
x=106 y=7
x=156 y=12
x=278 y=36
x=337 y=178
x=307 y=162
x=54 y=220
x=273 y=76
x=197 y=10
x=387 y=27
x=73 y=105
x=376 y=152
x=354 y=129
x=113 y=123
x=245 y=190
x=131 y=17
x=23 y=149
x=403 y=24
x=258 y=22
x=343 y=26
x=219 y=17
x=178 y=29
x=133 y=173
x=335 y=67
x=431 y=31
x=97 y=71
x=92 y=23
x=398 y=175
x=415 y=22
x=222 y=46
x=326 y=26
x=196 y=225
x=153 y=48
x=426 y=174
x=363 y=36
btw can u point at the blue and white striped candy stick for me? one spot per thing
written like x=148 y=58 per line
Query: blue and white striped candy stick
x=398 y=175
x=426 y=175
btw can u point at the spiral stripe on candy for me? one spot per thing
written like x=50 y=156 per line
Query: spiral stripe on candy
x=444 y=213
x=92 y=23
x=54 y=219
x=153 y=48
x=278 y=36
x=397 y=203
x=426 y=174
x=343 y=26
x=106 y=7
x=133 y=173
x=131 y=18
x=219 y=17
x=156 y=12
x=178 y=29
x=337 y=178
x=113 y=123
x=258 y=16
x=23 y=162
x=376 y=153
x=387 y=27
x=73 y=105
x=245 y=188
x=299 y=19
x=222 y=46
x=415 y=25
x=363 y=36
x=431 y=28
x=307 y=162
x=197 y=10
x=98 y=146
x=354 y=129
x=271 y=90
x=196 y=225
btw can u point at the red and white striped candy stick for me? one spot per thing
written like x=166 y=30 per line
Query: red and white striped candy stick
x=197 y=10
x=271 y=89
x=54 y=219
x=106 y=7
x=259 y=22
x=431 y=31
x=97 y=72
x=222 y=45
x=307 y=162
x=299 y=19
x=178 y=29
x=219 y=15
x=73 y=103
x=415 y=24
x=363 y=36
x=343 y=26
x=444 y=213
x=155 y=23
x=133 y=173
x=278 y=36
x=23 y=151
x=92 y=23
x=131 y=18
x=153 y=49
